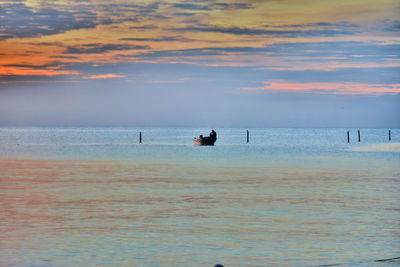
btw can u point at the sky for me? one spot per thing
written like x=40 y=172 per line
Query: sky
x=211 y=63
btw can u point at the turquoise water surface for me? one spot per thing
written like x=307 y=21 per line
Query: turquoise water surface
x=289 y=197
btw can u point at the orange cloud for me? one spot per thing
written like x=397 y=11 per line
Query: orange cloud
x=105 y=76
x=26 y=71
x=347 y=88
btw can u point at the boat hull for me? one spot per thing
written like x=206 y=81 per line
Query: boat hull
x=205 y=141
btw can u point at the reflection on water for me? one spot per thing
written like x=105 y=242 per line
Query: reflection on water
x=116 y=212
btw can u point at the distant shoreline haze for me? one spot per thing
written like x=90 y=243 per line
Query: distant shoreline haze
x=38 y=107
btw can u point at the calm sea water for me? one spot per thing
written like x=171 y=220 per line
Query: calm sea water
x=291 y=197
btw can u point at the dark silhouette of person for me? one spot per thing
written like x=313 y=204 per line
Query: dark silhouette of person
x=219 y=265
x=213 y=134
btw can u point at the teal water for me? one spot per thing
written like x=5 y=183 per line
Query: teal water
x=291 y=197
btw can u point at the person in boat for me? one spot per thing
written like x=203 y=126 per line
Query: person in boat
x=201 y=137
x=213 y=134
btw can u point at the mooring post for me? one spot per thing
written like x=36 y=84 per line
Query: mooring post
x=359 y=139
x=390 y=137
x=247 y=136
x=140 y=137
x=348 y=136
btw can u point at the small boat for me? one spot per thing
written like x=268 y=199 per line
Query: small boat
x=204 y=141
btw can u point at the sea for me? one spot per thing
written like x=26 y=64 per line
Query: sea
x=82 y=196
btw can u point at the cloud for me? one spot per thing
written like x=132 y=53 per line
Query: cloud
x=97 y=48
x=32 y=71
x=105 y=76
x=44 y=43
x=286 y=30
x=55 y=64
x=55 y=68
x=5 y=36
x=189 y=6
x=184 y=14
x=143 y=27
x=64 y=57
x=161 y=39
x=354 y=52
x=211 y=6
x=290 y=58
x=203 y=53
x=346 y=88
x=391 y=25
x=134 y=10
x=343 y=24
x=304 y=51
x=231 y=6
x=19 y=20
x=251 y=31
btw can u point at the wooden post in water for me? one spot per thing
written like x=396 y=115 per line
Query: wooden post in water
x=359 y=139
x=140 y=137
x=390 y=137
x=247 y=136
x=348 y=136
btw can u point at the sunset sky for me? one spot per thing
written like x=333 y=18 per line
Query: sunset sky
x=266 y=63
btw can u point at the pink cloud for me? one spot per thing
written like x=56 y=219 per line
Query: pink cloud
x=331 y=66
x=347 y=88
x=105 y=76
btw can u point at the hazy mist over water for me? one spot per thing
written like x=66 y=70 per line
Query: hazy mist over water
x=200 y=104
x=95 y=196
